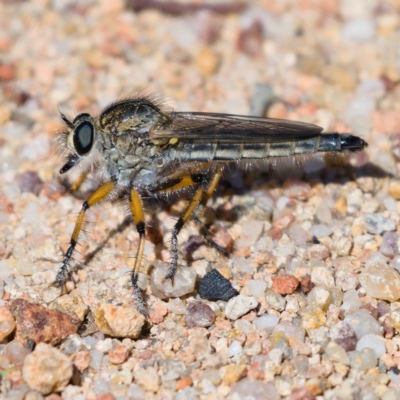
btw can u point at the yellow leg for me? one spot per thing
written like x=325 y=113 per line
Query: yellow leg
x=100 y=194
x=206 y=197
x=175 y=183
x=136 y=206
x=177 y=228
x=212 y=186
x=180 y=179
x=78 y=182
x=203 y=193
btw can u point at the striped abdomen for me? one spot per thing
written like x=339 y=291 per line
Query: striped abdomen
x=222 y=151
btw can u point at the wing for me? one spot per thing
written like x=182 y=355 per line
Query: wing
x=198 y=127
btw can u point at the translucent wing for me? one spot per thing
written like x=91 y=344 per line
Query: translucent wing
x=200 y=127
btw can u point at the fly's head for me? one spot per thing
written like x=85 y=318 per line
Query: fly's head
x=79 y=140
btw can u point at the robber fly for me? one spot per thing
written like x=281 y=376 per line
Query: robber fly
x=141 y=151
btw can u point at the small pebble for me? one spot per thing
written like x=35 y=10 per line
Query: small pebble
x=250 y=39
x=364 y=359
x=72 y=305
x=341 y=205
x=221 y=237
x=300 y=363
x=317 y=251
x=199 y=314
x=73 y=344
x=184 y=282
x=395 y=315
x=177 y=306
x=7 y=72
x=235 y=349
x=376 y=224
x=232 y=373
x=390 y=394
x=381 y=281
x=276 y=356
x=148 y=379
x=118 y=321
x=301 y=394
x=81 y=360
x=284 y=284
x=296 y=189
x=104 y=345
x=39 y=324
x=91 y=341
x=239 y=306
x=351 y=301
x=135 y=392
x=290 y=330
x=96 y=358
x=371 y=206
x=298 y=235
x=251 y=232
x=7 y=322
x=374 y=342
x=320 y=296
x=306 y=284
x=207 y=62
x=70 y=392
x=322 y=276
x=354 y=200
x=389 y=244
x=375 y=257
x=390 y=204
x=252 y=346
x=5 y=115
x=337 y=353
x=37 y=149
x=244 y=326
x=394 y=190
x=275 y=300
x=320 y=230
x=344 y=335
x=280 y=224
x=214 y=286
x=29 y=181
x=16 y=353
x=256 y=287
x=267 y=322
x=255 y=389
x=343 y=245
x=118 y=354
x=47 y=369
x=395 y=263
x=383 y=308
x=363 y=323
x=313 y=319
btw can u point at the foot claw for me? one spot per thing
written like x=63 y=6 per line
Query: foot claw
x=169 y=277
x=137 y=294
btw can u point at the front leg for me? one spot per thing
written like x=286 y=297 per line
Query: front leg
x=100 y=194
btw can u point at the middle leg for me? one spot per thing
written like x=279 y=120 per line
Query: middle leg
x=136 y=206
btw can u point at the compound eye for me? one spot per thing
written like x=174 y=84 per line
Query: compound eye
x=83 y=138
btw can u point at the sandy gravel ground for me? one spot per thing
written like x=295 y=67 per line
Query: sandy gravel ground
x=313 y=243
